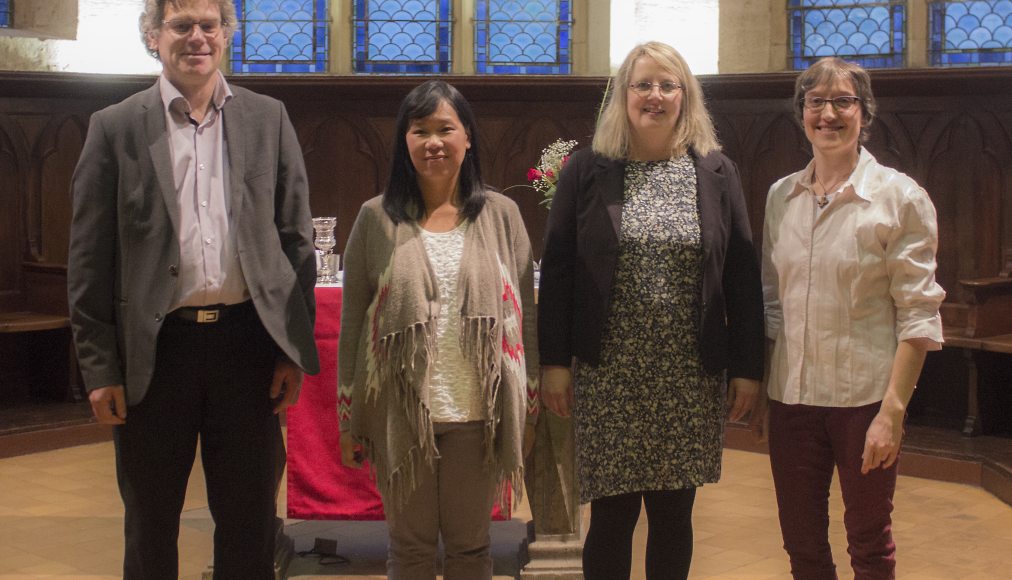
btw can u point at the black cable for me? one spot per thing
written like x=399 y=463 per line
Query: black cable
x=325 y=559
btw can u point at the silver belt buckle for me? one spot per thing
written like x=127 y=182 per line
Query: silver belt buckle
x=207 y=316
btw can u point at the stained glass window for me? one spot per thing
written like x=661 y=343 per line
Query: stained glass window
x=871 y=33
x=5 y=13
x=970 y=33
x=402 y=36
x=280 y=36
x=523 y=36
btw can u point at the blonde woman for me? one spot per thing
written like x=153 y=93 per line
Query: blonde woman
x=649 y=280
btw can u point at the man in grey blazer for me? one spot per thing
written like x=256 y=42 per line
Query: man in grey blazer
x=190 y=280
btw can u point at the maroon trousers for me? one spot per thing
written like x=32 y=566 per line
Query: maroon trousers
x=806 y=442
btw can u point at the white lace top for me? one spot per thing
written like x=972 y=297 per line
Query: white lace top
x=454 y=395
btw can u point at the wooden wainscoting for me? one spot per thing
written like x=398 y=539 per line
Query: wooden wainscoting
x=949 y=129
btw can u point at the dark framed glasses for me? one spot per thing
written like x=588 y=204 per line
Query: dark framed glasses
x=841 y=104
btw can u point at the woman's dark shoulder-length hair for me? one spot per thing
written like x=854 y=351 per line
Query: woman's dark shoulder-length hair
x=402 y=197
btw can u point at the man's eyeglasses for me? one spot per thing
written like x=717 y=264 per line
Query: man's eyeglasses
x=840 y=104
x=643 y=88
x=183 y=27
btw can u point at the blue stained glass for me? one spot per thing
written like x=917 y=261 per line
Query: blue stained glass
x=281 y=36
x=832 y=3
x=523 y=37
x=869 y=32
x=970 y=33
x=402 y=36
x=5 y=13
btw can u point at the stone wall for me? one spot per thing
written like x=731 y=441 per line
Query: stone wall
x=75 y=36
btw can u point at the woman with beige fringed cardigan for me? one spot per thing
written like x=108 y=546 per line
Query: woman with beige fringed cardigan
x=437 y=376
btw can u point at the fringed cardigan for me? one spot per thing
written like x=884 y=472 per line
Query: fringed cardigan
x=388 y=324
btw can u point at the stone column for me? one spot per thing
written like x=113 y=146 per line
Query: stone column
x=555 y=544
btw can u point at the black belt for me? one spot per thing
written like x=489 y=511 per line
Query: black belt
x=212 y=313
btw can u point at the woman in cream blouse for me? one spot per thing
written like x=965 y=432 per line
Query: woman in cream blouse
x=852 y=305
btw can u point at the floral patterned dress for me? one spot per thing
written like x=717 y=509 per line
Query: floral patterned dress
x=648 y=417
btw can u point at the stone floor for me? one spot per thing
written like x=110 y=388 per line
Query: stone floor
x=60 y=517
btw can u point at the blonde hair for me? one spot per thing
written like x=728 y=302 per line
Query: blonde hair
x=694 y=128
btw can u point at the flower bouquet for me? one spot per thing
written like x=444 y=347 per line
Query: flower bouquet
x=545 y=174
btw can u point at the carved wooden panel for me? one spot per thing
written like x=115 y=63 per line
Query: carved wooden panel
x=346 y=131
x=56 y=146
x=10 y=214
x=951 y=130
x=345 y=161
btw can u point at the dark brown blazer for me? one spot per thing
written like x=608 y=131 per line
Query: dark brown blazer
x=581 y=251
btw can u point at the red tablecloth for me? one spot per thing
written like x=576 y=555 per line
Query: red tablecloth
x=319 y=487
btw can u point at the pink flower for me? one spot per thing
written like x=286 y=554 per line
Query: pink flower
x=564 y=160
x=533 y=174
x=550 y=174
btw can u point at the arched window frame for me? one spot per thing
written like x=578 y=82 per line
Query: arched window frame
x=533 y=19
x=304 y=24
x=458 y=43
x=426 y=39
x=970 y=32
x=804 y=38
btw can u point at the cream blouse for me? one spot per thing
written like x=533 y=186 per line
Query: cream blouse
x=844 y=285
x=454 y=395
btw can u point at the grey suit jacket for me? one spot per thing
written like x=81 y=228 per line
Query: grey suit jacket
x=124 y=249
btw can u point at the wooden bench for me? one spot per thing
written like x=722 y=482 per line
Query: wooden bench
x=972 y=349
x=34 y=334
x=986 y=328
x=990 y=306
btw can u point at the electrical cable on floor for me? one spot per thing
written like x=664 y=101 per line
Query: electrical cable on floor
x=326 y=550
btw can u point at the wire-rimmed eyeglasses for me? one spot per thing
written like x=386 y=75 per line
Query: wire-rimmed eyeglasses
x=184 y=26
x=643 y=88
x=841 y=104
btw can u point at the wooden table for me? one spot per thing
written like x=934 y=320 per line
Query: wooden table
x=972 y=347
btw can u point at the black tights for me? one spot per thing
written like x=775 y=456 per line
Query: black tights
x=607 y=551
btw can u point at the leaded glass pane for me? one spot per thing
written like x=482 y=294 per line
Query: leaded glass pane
x=403 y=36
x=965 y=33
x=5 y=13
x=523 y=36
x=871 y=33
x=280 y=36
